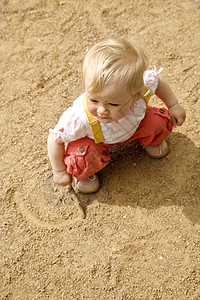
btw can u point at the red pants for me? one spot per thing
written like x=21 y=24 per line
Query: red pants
x=83 y=157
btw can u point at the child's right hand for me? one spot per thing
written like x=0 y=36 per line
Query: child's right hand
x=63 y=178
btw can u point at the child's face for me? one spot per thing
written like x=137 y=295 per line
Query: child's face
x=109 y=105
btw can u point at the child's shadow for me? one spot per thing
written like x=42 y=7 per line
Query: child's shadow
x=134 y=179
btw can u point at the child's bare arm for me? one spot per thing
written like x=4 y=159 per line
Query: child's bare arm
x=165 y=93
x=56 y=151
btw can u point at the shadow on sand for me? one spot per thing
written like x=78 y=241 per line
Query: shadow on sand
x=134 y=179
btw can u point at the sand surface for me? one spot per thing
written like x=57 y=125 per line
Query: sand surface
x=140 y=238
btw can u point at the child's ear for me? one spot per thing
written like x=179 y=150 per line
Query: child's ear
x=137 y=96
x=135 y=99
x=140 y=93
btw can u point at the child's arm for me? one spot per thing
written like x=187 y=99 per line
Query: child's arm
x=56 y=152
x=165 y=93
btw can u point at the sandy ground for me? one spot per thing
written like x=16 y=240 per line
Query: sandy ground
x=140 y=238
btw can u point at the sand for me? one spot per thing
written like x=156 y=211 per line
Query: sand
x=140 y=237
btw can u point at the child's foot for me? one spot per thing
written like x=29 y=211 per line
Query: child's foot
x=89 y=185
x=158 y=151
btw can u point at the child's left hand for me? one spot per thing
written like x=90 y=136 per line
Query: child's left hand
x=177 y=113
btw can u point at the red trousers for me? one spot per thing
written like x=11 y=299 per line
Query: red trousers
x=83 y=157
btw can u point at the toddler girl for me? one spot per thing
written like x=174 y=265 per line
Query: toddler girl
x=113 y=111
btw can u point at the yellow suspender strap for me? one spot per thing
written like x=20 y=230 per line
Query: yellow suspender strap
x=94 y=124
x=147 y=95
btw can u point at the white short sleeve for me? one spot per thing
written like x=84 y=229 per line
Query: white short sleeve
x=69 y=127
x=151 y=79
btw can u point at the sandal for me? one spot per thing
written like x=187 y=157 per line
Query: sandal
x=88 y=185
x=158 y=151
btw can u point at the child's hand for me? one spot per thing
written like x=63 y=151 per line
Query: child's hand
x=63 y=178
x=177 y=114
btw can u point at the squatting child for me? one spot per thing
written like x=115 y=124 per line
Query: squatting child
x=113 y=110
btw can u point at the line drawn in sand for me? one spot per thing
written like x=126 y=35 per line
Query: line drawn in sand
x=48 y=194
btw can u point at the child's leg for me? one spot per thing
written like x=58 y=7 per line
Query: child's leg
x=84 y=158
x=153 y=130
x=155 y=127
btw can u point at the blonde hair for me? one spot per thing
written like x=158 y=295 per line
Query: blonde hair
x=115 y=60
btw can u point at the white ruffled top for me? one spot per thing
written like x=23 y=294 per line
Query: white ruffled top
x=74 y=124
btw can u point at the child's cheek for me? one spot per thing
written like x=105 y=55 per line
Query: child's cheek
x=119 y=114
x=124 y=109
x=92 y=108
